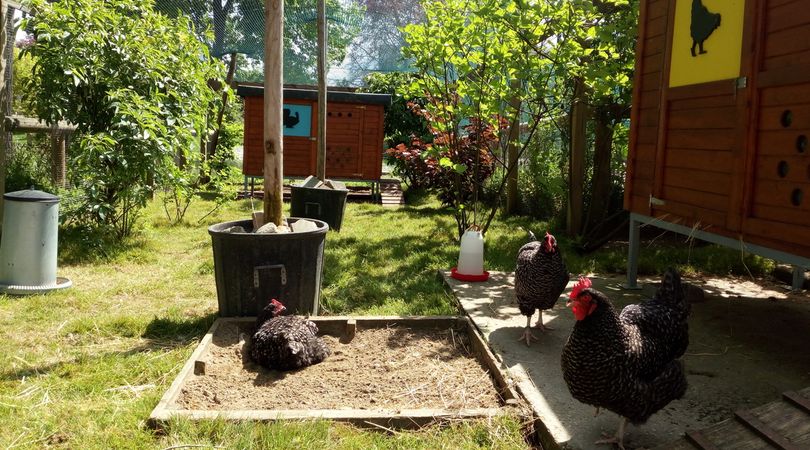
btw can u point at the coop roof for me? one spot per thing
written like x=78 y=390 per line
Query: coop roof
x=341 y=96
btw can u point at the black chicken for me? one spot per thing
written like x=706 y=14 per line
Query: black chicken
x=627 y=362
x=286 y=342
x=540 y=278
x=702 y=25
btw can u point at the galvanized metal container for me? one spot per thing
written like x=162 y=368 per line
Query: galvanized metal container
x=29 y=243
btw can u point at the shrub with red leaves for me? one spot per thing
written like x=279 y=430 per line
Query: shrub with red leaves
x=448 y=165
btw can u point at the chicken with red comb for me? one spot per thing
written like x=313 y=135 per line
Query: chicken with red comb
x=627 y=362
x=285 y=342
x=540 y=279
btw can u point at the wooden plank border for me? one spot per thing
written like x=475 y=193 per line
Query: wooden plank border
x=764 y=431
x=341 y=326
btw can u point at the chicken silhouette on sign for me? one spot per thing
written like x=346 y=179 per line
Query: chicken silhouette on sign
x=703 y=25
x=715 y=49
x=296 y=119
x=289 y=120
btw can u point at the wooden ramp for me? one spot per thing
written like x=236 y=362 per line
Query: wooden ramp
x=391 y=193
x=783 y=424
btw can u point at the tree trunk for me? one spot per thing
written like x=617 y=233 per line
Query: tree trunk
x=600 y=190
x=211 y=148
x=576 y=162
x=513 y=150
x=273 y=105
x=3 y=95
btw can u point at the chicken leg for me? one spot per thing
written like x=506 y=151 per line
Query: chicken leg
x=527 y=332
x=539 y=324
x=618 y=438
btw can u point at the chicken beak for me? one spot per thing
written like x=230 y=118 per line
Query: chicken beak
x=569 y=303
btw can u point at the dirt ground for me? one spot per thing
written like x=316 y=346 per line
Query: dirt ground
x=385 y=368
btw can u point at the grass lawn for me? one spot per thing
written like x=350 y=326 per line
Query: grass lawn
x=84 y=367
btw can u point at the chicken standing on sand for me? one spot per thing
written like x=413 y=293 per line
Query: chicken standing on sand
x=285 y=342
x=627 y=362
x=540 y=279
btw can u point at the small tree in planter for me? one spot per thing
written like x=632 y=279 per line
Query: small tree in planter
x=454 y=165
x=135 y=83
x=494 y=61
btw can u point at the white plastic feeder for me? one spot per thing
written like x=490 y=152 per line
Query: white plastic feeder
x=29 y=243
x=471 y=258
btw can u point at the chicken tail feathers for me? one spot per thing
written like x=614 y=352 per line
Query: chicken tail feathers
x=672 y=292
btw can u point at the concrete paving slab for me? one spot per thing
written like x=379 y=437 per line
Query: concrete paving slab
x=748 y=343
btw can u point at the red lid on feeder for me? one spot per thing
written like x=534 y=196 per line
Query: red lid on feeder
x=464 y=277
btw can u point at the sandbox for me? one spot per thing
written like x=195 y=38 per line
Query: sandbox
x=392 y=372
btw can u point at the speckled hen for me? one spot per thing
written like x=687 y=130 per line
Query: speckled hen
x=540 y=279
x=628 y=362
x=285 y=342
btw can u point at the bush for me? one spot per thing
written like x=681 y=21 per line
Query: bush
x=453 y=167
x=135 y=83
x=30 y=164
x=401 y=125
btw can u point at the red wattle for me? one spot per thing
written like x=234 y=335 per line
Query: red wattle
x=580 y=311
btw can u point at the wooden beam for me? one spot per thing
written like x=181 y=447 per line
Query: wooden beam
x=700 y=440
x=797 y=400
x=322 y=36
x=16 y=5
x=18 y=123
x=273 y=105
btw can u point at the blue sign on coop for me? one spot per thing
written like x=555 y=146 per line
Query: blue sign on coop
x=297 y=120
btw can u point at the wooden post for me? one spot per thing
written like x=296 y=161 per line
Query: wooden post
x=273 y=105
x=321 y=158
x=3 y=95
x=576 y=163
x=58 y=156
x=513 y=150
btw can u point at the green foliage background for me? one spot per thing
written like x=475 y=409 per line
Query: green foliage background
x=135 y=83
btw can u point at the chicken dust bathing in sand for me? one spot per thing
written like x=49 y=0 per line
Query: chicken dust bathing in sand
x=376 y=366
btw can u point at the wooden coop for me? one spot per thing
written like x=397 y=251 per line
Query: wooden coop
x=354 y=136
x=720 y=125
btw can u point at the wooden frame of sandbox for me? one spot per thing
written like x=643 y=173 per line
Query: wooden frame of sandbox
x=345 y=327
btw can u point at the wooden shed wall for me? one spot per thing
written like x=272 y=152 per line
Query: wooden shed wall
x=353 y=144
x=719 y=155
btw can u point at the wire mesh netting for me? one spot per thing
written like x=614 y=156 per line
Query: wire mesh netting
x=363 y=35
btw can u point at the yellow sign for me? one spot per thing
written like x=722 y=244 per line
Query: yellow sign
x=707 y=41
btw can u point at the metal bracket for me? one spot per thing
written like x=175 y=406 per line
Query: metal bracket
x=657 y=201
x=282 y=269
x=741 y=82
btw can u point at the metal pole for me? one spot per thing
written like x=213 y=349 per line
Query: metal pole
x=798 y=278
x=273 y=105
x=321 y=159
